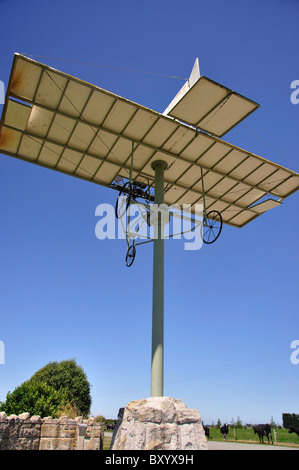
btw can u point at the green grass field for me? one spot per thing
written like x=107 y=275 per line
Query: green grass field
x=243 y=435
x=107 y=440
x=283 y=437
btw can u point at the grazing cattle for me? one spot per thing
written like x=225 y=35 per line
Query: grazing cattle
x=263 y=430
x=224 y=430
x=109 y=427
x=294 y=429
x=207 y=431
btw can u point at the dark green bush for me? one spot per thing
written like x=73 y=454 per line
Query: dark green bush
x=36 y=398
x=69 y=377
x=290 y=419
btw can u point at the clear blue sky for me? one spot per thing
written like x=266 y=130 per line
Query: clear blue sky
x=231 y=309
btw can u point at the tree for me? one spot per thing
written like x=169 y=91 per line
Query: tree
x=67 y=376
x=272 y=422
x=238 y=423
x=36 y=398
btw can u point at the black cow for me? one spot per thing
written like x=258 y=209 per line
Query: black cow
x=294 y=429
x=110 y=427
x=207 y=431
x=263 y=430
x=224 y=430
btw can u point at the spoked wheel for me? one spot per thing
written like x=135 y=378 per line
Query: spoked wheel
x=212 y=226
x=130 y=256
x=122 y=203
x=147 y=195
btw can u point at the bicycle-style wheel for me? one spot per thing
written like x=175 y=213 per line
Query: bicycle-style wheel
x=212 y=226
x=130 y=256
x=123 y=200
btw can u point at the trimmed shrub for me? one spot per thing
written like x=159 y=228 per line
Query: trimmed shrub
x=69 y=377
x=290 y=419
x=36 y=398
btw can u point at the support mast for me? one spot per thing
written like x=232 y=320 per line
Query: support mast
x=158 y=288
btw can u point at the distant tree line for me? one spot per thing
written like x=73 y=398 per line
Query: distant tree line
x=288 y=419
x=239 y=425
x=109 y=423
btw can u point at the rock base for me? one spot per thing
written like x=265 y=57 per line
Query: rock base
x=158 y=423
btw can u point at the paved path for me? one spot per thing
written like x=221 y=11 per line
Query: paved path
x=219 y=445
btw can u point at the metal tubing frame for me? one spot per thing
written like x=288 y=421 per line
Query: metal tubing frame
x=203 y=195
x=128 y=233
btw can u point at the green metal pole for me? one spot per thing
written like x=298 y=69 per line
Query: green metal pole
x=158 y=288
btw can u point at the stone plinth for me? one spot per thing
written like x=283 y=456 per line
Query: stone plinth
x=158 y=423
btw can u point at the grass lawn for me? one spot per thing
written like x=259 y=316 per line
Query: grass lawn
x=247 y=435
x=244 y=435
x=107 y=440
